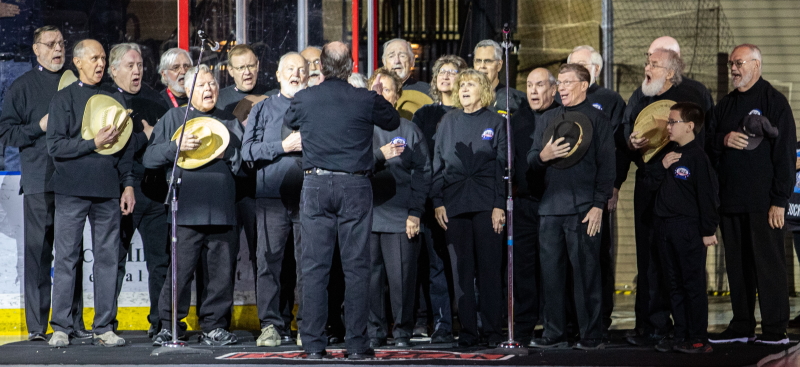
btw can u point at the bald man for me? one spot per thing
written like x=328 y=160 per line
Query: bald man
x=540 y=97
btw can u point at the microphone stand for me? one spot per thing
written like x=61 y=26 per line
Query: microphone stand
x=176 y=346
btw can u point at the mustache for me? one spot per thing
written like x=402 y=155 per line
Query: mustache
x=314 y=73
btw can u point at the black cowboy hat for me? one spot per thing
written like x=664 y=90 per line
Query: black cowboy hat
x=577 y=131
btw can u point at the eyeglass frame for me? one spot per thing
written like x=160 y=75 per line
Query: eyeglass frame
x=52 y=45
x=239 y=69
x=448 y=72
x=178 y=67
x=567 y=83
x=673 y=122
x=738 y=63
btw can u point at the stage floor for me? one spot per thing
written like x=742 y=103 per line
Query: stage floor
x=617 y=353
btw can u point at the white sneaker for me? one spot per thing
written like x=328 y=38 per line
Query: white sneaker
x=59 y=339
x=109 y=339
x=269 y=337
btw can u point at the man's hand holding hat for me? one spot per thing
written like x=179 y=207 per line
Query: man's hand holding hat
x=190 y=142
x=106 y=136
x=736 y=140
x=554 y=149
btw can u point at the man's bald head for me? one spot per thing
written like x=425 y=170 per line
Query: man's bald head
x=665 y=42
x=541 y=89
x=335 y=60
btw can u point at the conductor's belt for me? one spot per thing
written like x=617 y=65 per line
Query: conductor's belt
x=324 y=172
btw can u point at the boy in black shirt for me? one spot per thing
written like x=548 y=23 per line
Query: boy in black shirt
x=686 y=211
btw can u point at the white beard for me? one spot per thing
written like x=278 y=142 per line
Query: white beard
x=653 y=88
x=290 y=90
x=177 y=86
x=745 y=79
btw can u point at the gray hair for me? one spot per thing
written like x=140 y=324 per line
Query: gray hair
x=357 y=80
x=80 y=47
x=674 y=63
x=596 y=58
x=408 y=49
x=290 y=53
x=189 y=77
x=118 y=51
x=167 y=58
x=756 y=52
x=498 y=50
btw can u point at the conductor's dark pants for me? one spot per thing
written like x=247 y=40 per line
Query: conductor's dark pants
x=331 y=204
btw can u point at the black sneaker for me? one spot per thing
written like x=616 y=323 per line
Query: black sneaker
x=547 y=343
x=772 y=339
x=367 y=354
x=730 y=336
x=402 y=343
x=668 y=345
x=441 y=336
x=694 y=347
x=590 y=344
x=217 y=337
x=646 y=340
x=420 y=330
x=152 y=331
x=376 y=342
x=81 y=334
x=37 y=336
x=162 y=337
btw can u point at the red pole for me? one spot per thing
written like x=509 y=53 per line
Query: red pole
x=183 y=24
x=356 y=25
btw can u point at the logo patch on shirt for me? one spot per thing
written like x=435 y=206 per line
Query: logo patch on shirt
x=755 y=112
x=682 y=173
x=488 y=134
x=597 y=106
x=797 y=183
x=399 y=140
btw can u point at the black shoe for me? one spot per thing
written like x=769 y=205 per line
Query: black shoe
x=81 y=334
x=334 y=340
x=590 y=344
x=165 y=336
x=694 y=347
x=441 y=336
x=152 y=331
x=795 y=322
x=36 y=336
x=730 y=336
x=772 y=339
x=376 y=342
x=287 y=339
x=316 y=355
x=668 y=345
x=646 y=340
x=369 y=353
x=420 y=330
x=546 y=343
x=218 y=337
x=402 y=343
x=466 y=343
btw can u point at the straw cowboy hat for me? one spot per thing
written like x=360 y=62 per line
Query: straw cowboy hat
x=66 y=79
x=577 y=131
x=214 y=138
x=410 y=101
x=103 y=110
x=652 y=124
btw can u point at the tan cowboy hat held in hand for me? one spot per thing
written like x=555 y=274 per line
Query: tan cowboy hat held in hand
x=410 y=101
x=652 y=124
x=214 y=138
x=103 y=110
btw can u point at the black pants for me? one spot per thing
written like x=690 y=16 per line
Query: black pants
x=753 y=252
x=70 y=218
x=275 y=221
x=562 y=237
x=478 y=254
x=332 y=204
x=652 y=307
x=393 y=259
x=214 y=249
x=527 y=271
x=684 y=263
x=39 y=212
x=607 y=269
x=150 y=218
x=432 y=301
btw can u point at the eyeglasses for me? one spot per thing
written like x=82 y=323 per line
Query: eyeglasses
x=566 y=83
x=53 y=44
x=738 y=63
x=451 y=72
x=177 y=68
x=673 y=122
x=653 y=65
x=484 y=61
x=251 y=67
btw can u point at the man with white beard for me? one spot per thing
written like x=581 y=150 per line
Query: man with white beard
x=663 y=80
x=277 y=151
x=399 y=57
x=311 y=54
x=174 y=64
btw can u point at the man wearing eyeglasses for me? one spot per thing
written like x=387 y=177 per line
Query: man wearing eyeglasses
x=23 y=124
x=174 y=64
x=398 y=56
x=243 y=68
x=663 y=80
x=612 y=104
x=488 y=59
x=311 y=54
x=755 y=184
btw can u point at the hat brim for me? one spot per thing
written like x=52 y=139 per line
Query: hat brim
x=93 y=122
x=752 y=141
x=220 y=135
x=410 y=101
x=649 y=124
x=244 y=106
x=67 y=78
x=583 y=144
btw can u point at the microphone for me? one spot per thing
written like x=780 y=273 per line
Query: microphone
x=213 y=45
x=506 y=29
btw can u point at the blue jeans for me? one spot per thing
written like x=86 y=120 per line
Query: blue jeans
x=10 y=70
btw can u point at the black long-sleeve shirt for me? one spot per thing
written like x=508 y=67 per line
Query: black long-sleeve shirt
x=427 y=120
x=527 y=184
x=336 y=120
x=230 y=96
x=178 y=102
x=515 y=99
x=401 y=184
x=79 y=170
x=280 y=174
x=753 y=180
x=586 y=184
x=413 y=84
x=207 y=194
x=469 y=161
x=687 y=91
x=24 y=104
x=688 y=188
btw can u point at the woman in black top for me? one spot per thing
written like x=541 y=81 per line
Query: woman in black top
x=468 y=195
